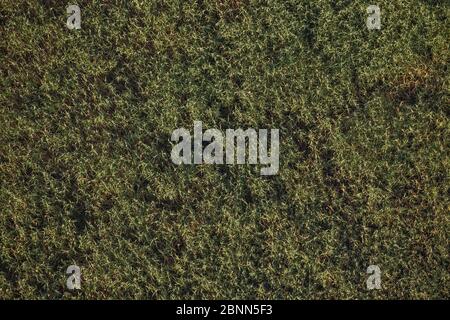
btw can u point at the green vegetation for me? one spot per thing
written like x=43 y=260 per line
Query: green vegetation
x=86 y=176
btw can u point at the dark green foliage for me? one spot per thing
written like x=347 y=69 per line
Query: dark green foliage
x=85 y=170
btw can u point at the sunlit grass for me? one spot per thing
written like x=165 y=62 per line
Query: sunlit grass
x=85 y=170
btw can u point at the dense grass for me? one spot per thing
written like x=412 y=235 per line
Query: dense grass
x=85 y=170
